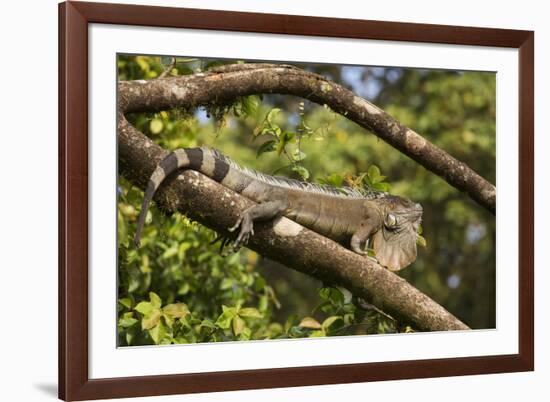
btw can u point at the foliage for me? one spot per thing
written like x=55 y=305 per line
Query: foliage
x=178 y=288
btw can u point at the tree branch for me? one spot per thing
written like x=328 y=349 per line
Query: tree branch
x=217 y=207
x=225 y=84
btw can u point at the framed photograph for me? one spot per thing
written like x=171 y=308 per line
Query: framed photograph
x=260 y=200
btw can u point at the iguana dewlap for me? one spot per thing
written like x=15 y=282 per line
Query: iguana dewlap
x=347 y=215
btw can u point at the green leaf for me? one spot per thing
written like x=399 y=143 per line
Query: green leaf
x=374 y=179
x=133 y=283
x=276 y=131
x=302 y=171
x=332 y=294
x=238 y=325
x=126 y=302
x=374 y=175
x=184 y=321
x=349 y=319
x=143 y=63
x=297 y=332
x=225 y=318
x=150 y=320
x=250 y=312
x=182 y=248
x=347 y=296
x=156 y=126
x=263 y=303
x=206 y=323
x=421 y=241
x=384 y=187
x=176 y=310
x=330 y=322
x=309 y=322
x=325 y=305
x=227 y=283
x=259 y=284
x=298 y=155
x=275 y=328
x=268 y=146
x=127 y=210
x=335 y=179
x=170 y=252
x=168 y=320
x=324 y=293
x=250 y=104
x=245 y=334
x=184 y=289
x=272 y=129
x=317 y=334
x=271 y=115
x=290 y=322
x=144 y=307
x=157 y=333
x=127 y=322
x=285 y=138
x=155 y=300
x=129 y=337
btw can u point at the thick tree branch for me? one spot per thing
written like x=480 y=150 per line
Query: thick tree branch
x=224 y=85
x=217 y=207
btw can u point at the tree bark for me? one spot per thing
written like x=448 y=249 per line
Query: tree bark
x=223 y=85
x=283 y=240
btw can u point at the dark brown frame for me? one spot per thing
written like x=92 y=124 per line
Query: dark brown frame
x=74 y=17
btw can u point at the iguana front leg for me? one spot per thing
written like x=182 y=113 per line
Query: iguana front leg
x=260 y=212
x=362 y=234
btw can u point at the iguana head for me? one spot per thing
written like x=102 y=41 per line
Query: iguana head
x=394 y=244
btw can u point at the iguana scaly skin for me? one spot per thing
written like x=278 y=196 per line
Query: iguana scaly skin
x=347 y=215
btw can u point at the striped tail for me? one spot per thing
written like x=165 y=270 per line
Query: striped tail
x=188 y=158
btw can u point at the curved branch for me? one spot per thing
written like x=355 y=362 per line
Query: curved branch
x=225 y=84
x=217 y=207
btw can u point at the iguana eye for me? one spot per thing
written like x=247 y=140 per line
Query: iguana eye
x=390 y=221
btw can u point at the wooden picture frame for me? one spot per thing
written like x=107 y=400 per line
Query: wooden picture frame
x=74 y=381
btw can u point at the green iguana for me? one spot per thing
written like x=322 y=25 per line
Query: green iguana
x=347 y=215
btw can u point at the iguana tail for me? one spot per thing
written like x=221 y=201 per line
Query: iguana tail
x=185 y=158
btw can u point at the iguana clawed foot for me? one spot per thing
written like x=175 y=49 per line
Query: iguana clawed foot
x=224 y=241
x=247 y=230
x=358 y=250
x=364 y=253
